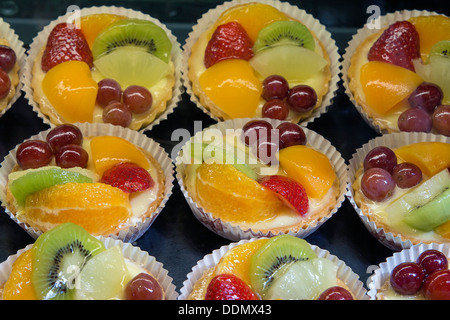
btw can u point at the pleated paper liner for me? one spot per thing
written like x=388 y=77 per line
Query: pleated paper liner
x=133 y=230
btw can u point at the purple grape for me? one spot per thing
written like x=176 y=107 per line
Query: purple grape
x=407 y=278
x=377 y=184
x=64 y=134
x=302 y=98
x=414 y=120
x=138 y=99
x=33 y=154
x=335 y=293
x=71 y=155
x=407 y=175
x=275 y=87
x=380 y=157
x=143 y=287
x=5 y=84
x=252 y=130
x=7 y=58
x=432 y=260
x=109 y=91
x=427 y=97
x=441 y=120
x=275 y=109
x=117 y=113
x=291 y=134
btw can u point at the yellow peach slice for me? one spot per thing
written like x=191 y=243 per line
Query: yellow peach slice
x=71 y=90
x=385 y=85
x=430 y=157
x=233 y=86
x=311 y=168
x=107 y=151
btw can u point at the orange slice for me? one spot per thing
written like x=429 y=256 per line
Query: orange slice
x=233 y=86
x=232 y=196
x=97 y=207
x=385 y=85
x=93 y=24
x=237 y=260
x=19 y=286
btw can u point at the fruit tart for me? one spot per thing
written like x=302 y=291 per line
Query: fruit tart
x=397 y=76
x=111 y=65
x=400 y=188
x=253 y=177
x=260 y=59
x=109 y=180
x=283 y=267
x=418 y=273
x=68 y=263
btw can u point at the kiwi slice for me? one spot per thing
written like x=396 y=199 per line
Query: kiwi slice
x=136 y=33
x=273 y=256
x=24 y=183
x=284 y=33
x=441 y=48
x=59 y=255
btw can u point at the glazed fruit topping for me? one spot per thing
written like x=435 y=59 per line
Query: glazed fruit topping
x=407 y=278
x=229 y=41
x=137 y=98
x=229 y=287
x=275 y=87
x=427 y=96
x=377 y=184
x=7 y=58
x=432 y=260
x=275 y=109
x=380 y=157
x=407 y=175
x=291 y=134
x=441 y=120
x=302 y=98
x=64 y=134
x=65 y=43
x=71 y=155
x=414 y=120
x=335 y=293
x=5 y=84
x=143 y=287
x=117 y=113
x=399 y=45
x=128 y=177
x=33 y=154
x=109 y=90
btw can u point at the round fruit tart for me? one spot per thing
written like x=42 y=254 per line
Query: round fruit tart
x=283 y=267
x=111 y=66
x=402 y=186
x=260 y=59
x=398 y=76
x=103 y=182
x=418 y=273
x=251 y=177
x=67 y=263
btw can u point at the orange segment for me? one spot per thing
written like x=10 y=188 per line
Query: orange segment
x=93 y=24
x=106 y=151
x=431 y=29
x=443 y=230
x=385 y=84
x=311 y=168
x=71 y=90
x=19 y=286
x=237 y=260
x=232 y=85
x=253 y=17
x=232 y=196
x=430 y=157
x=99 y=208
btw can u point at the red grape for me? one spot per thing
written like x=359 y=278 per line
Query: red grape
x=437 y=285
x=432 y=260
x=7 y=58
x=118 y=114
x=143 y=287
x=71 y=155
x=407 y=278
x=138 y=99
x=380 y=157
x=109 y=90
x=252 y=130
x=377 y=184
x=441 y=120
x=427 y=96
x=335 y=293
x=414 y=120
x=275 y=87
x=291 y=134
x=275 y=109
x=302 y=98
x=64 y=134
x=5 y=84
x=33 y=154
x=407 y=175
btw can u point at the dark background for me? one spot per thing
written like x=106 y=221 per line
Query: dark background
x=176 y=238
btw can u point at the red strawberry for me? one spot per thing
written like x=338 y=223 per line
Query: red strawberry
x=65 y=43
x=290 y=191
x=229 y=41
x=229 y=287
x=128 y=177
x=399 y=45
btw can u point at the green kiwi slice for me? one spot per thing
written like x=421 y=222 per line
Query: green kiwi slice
x=136 y=33
x=441 y=48
x=275 y=254
x=59 y=256
x=284 y=33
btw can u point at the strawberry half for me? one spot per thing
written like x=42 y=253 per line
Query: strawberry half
x=229 y=287
x=289 y=191
x=65 y=43
x=229 y=41
x=399 y=45
x=128 y=177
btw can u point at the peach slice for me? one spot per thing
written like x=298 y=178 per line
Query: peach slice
x=233 y=86
x=71 y=90
x=311 y=168
x=430 y=157
x=107 y=151
x=385 y=85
